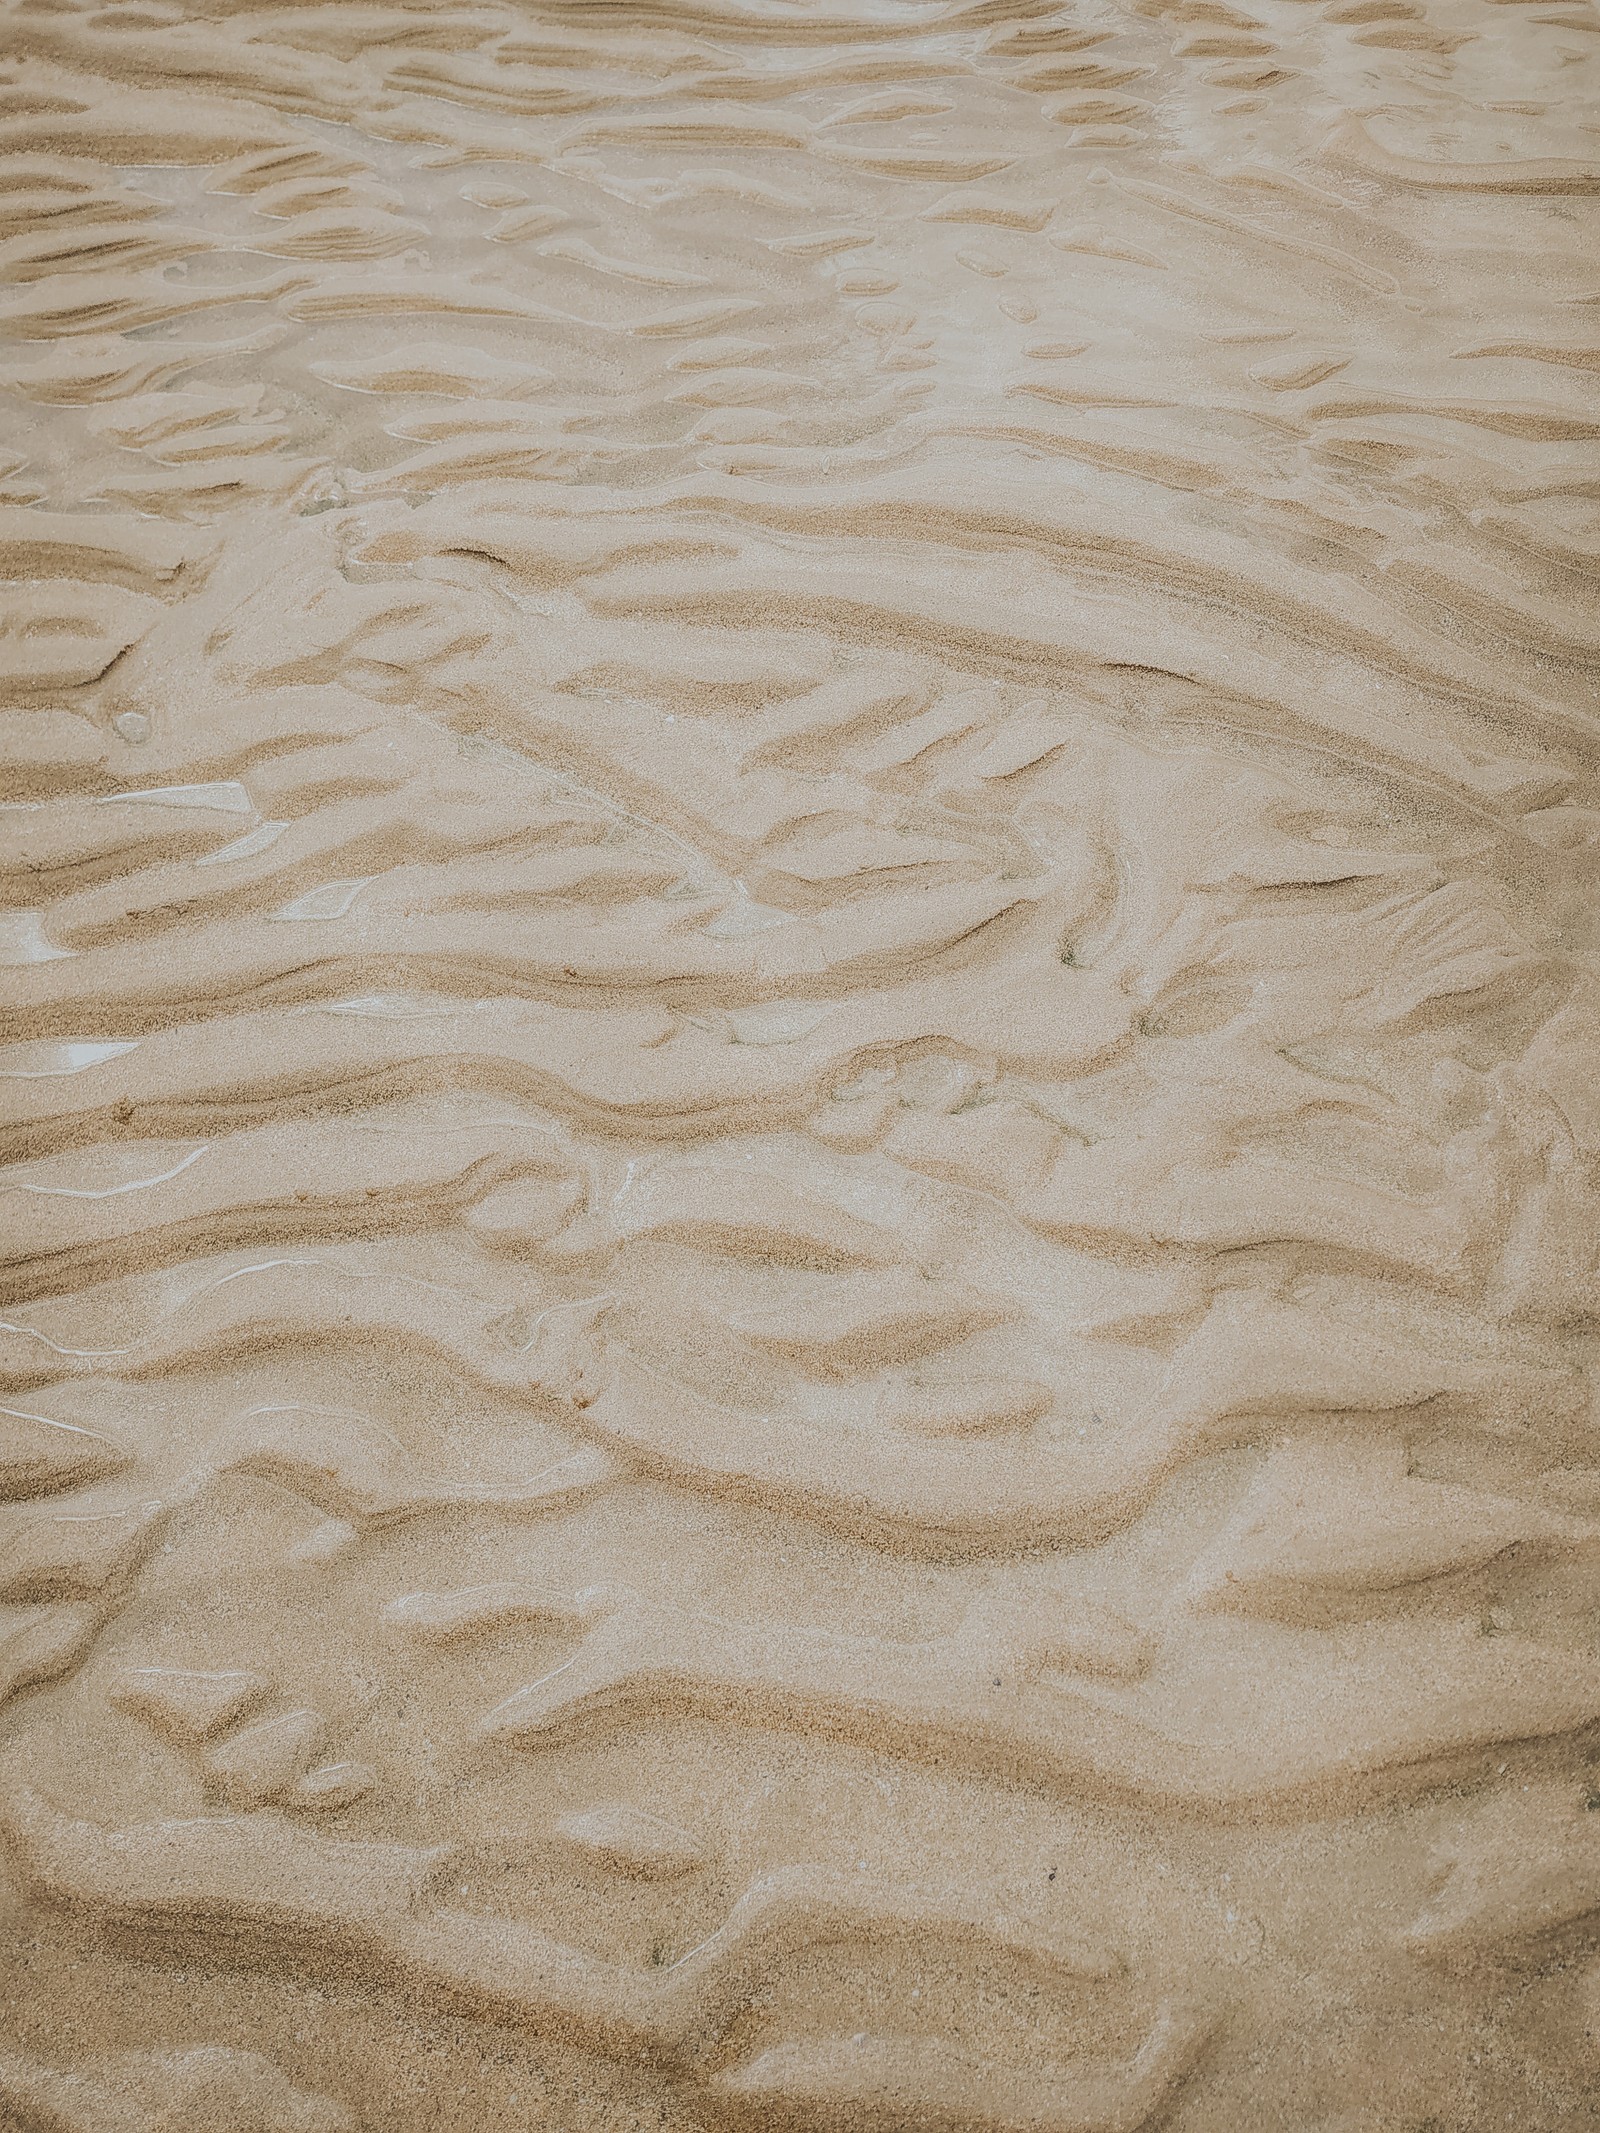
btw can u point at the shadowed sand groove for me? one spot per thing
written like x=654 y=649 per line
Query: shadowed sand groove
x=799 y=1066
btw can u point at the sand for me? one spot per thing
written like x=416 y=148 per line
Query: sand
x=800 y=1045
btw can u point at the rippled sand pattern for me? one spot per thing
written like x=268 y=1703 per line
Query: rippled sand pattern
x=801 y=1047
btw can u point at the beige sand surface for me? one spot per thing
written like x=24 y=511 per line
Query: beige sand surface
x=801 y=1066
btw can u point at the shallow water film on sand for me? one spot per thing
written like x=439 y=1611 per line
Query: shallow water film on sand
x=800 y=1043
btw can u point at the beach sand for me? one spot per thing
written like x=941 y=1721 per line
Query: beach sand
x=798 y=1284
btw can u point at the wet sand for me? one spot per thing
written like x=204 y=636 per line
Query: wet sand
x=798 y=1284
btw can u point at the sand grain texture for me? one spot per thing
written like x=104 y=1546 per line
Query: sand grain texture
x=800 y=1050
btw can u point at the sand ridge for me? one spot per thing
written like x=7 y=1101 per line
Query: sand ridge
x=800 y=1049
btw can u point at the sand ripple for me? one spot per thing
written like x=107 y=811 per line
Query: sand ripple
x=800 y=1025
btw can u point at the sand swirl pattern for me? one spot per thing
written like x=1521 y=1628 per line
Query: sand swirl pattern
x=800 y=1035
